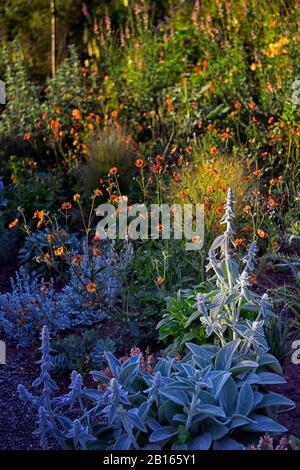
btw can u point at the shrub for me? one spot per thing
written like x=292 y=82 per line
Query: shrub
x=210 y=399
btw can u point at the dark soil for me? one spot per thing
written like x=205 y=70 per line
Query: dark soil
x=17 y=419
x=291 y=419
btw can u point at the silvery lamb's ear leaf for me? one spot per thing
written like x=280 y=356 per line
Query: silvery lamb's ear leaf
x=128 y=374
x=162 y=433
x=232 y=297
x=264 y=424
x=224 y=356
x=192 y=317
x=202 y=442
x=92 y=394
x=243 y=366
x=153 y=424
x=180 y=418
x=177 y=396
x=228 y=397
x=271 y=399
x=99 y=375
x=219 y=241
x=238 y=420
x=216 y=428
x=133 y=418
x=245 y=400
x=206 y=350
x=227 y=443
x=209 y=410
x=113 y=363
x=164 y=366
x=219 y=383
x=268 y=378
x=257 y=398
x=123 y=443
x=207 y=398
x=233 y=269
x=268 y=359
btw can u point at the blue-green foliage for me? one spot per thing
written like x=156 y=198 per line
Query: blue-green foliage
x=213 y=398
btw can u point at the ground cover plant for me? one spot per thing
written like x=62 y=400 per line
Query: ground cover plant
x=142 y=104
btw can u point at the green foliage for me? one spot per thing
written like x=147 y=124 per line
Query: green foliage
x=98 y=352
x=72 y=352
x=173 y=323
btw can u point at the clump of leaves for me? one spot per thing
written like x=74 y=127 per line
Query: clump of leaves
x=212 y=398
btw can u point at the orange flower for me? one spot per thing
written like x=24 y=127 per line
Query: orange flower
x=237 y=105
x=214 y=149
x=40 y=223
x=26 y=136
x=76 y=197
x=114 y=114
x=98 y=192
x=113 y=170
x=91 y=287
x=251 y=105
x=239 y=241
x=253 y=279
x=246 y=179
x=160 y=280
x=66 y=206
x=247 y=209
x=76 y=114
x=59 y=251
x=257 y=172
x=139 y=163
x=96 y=251
x=13 y=224
x=38 y=259
x=39 y=215
x=209 y=189
x=272 y=182
x=156 y=168
x=261 y=233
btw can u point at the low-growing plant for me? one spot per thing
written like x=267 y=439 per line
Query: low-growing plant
x=212 y=398
x=72 y=351
x=91 y=294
